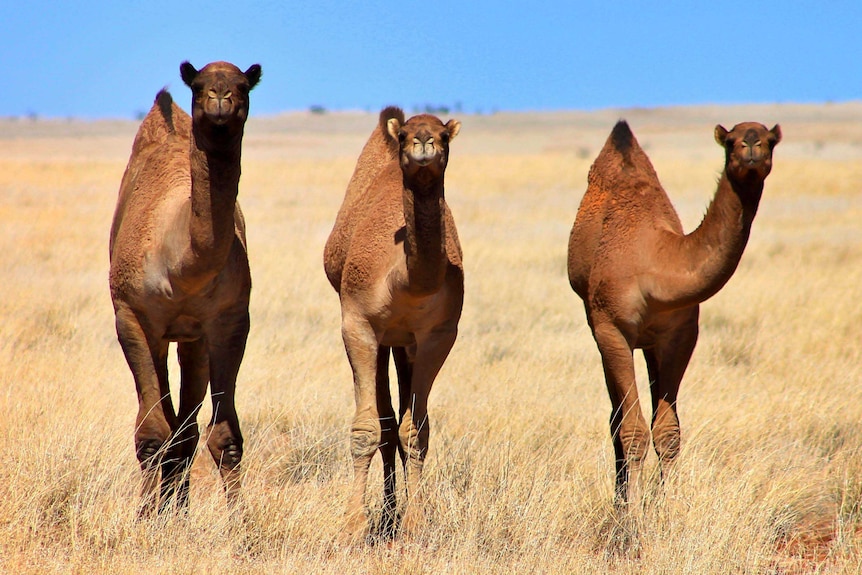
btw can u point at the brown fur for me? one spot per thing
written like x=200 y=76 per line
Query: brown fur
x=179 y=272
x=641 y=279
x=394 y=258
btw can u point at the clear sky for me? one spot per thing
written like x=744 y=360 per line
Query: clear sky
x=108 y=58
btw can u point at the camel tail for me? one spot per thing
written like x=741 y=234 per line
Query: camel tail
x=164 y=102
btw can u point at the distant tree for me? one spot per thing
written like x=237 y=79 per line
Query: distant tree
x=436 y=109
x=317 y=109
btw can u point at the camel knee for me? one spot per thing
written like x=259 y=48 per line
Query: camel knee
x=151 y=439
x=364 y=438
x=149 y=451
x=665 y=435
x=635 y=445
x=151 y=435
x=413 y=440
x=226 y=456
x=225 y=447
x=667 y=443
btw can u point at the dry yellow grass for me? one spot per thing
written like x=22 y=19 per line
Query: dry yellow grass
x=520 y=470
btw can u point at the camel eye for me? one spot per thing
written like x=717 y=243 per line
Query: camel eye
x=402 y=135
x=444 y=137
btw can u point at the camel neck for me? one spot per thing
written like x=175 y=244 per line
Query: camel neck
x=215 y=184
x=425 y=242
x=709 y=255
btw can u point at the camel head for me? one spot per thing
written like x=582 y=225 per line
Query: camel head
x=219 y=96
x=748 y=150
x=423 y=142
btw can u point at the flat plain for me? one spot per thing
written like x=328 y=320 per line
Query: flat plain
x=519 y=472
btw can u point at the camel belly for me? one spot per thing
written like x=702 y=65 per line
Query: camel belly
x=663 y=326
x=411 y=317
x=398 y=337
x=183 y=328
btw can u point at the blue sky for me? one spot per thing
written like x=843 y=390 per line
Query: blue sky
x=108 y=58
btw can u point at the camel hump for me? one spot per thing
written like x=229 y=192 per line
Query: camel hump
x=622 y=138
x=622 y=161
x=624 y=151
x=164 y=102
x=390 y=113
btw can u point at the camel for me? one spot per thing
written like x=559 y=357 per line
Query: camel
x=179 y=273
x=394 y=259
x=642 y=279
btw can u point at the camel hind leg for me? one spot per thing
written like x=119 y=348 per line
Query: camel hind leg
x=194 y=376
x=388 y=442
x=404 y=370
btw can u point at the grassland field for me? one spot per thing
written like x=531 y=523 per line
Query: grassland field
x=519 y=472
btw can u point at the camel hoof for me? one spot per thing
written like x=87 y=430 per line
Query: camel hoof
x=355 y=531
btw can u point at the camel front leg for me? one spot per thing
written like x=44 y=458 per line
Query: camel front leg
x=666 y=364
x=156 y=419
x=361 y=345
x=226 y=347
x=414 y=431
x=628 y=427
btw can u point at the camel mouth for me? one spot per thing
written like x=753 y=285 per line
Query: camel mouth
x=755 y=161
x=422 y=161
x=218 y=119
x=220 y=115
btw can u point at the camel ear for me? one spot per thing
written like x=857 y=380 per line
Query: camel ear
x=720 y=134
x=776 y=134
x=253 y=74
x=453 y=127
x=188 y=73
x=393 y=126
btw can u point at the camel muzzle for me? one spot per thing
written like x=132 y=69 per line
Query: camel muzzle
x=423 y=153
x=219 y=108
x=752 y=153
